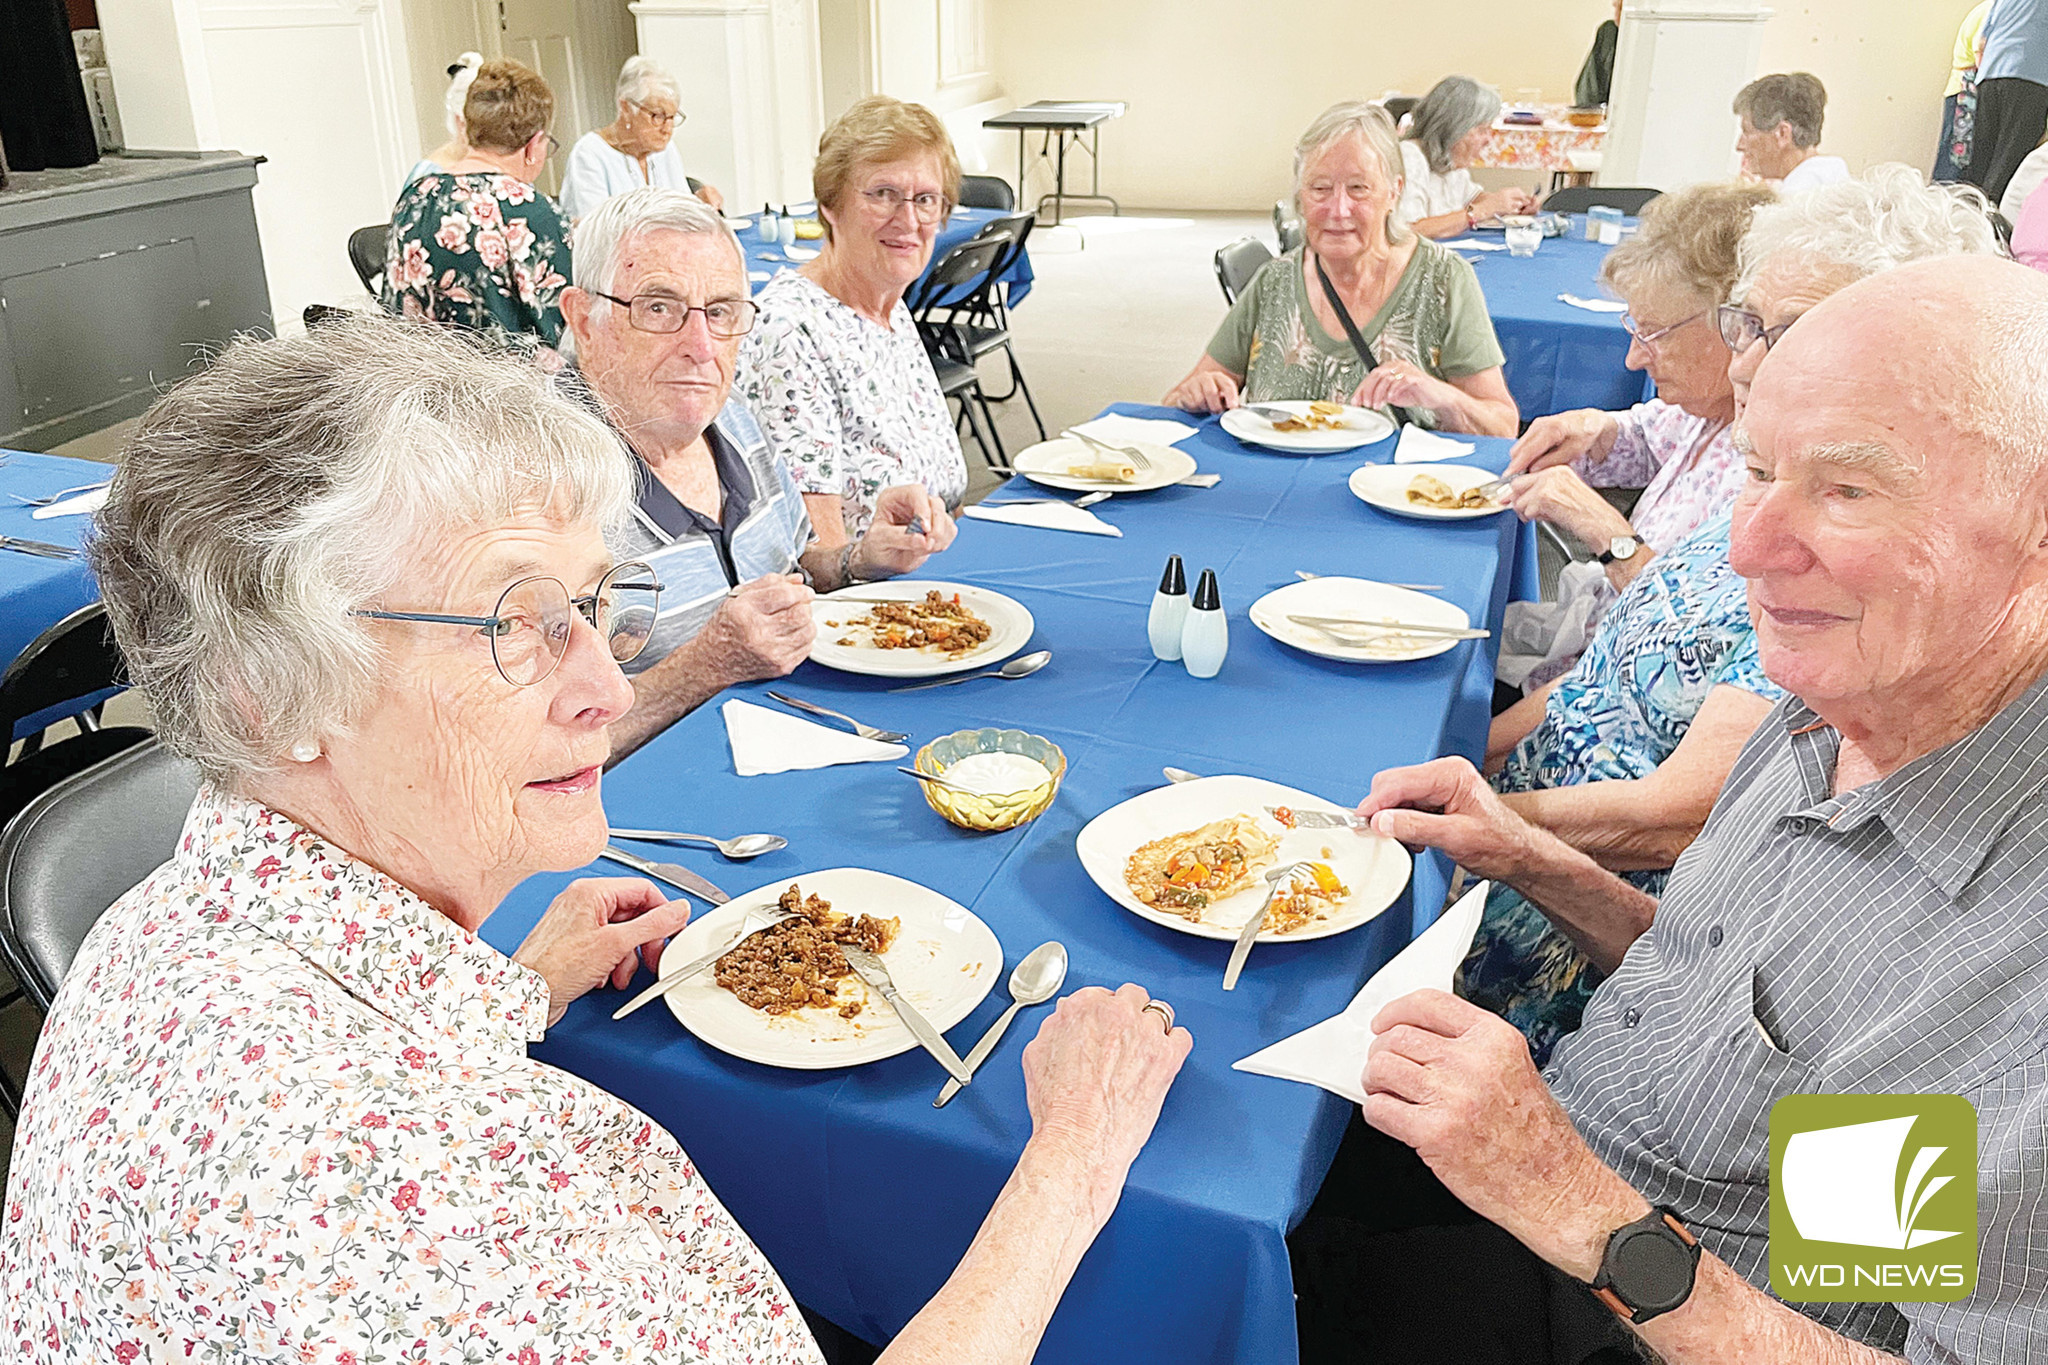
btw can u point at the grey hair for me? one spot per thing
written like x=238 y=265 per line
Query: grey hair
x=1885 y=218
x=1354 y=118
x=603 y=232
x=2001 y=396
x=642 y=77
x=291 y=482
x=1453 y=107
x=1798 y=99
x=459 y=77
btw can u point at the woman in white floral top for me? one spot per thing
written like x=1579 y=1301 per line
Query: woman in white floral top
x=834 y=369
x=282 y=1108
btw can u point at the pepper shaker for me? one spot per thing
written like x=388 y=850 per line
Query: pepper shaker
x=1205 y=637
x=1169 y=611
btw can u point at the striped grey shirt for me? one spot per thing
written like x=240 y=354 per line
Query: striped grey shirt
x=1893 y=939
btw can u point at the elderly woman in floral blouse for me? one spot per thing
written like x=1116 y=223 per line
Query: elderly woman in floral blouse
x=476 y=244
x=282 y=1107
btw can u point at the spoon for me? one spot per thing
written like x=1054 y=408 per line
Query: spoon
x=1180 y=775
x=1023 y=666
x=948 y=783
x=739 y=848
x=1036 y=980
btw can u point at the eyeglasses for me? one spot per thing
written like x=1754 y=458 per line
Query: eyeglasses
x=1742 y=329
x=660 y=314
x=530 y=628
x=663 y=119
x=886 y=199
x=1649 y=340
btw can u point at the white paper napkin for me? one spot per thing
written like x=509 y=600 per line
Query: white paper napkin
x=1418 y=446
x=758 y=276
x=765 y=741
x=1118 y=429
x=1332 y=1054
x=1480 y=246
x=84 y=504
x=1593 y=305
x=1049 y=516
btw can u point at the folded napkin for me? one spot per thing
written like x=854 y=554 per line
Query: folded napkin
x=1332 y=1054
x=800 y=253
x=1049 y=516
x=758 y=276
x=84 y=504
x=1476 y=245
x=1117 y=429
x=1418 y=446
x=1593 y=305
x=765 y=741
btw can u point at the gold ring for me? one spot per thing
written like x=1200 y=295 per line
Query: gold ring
x=1162 y=1009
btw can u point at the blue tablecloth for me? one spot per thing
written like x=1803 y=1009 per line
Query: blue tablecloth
x=862 y=1194
x=1558 y=357
x=765 y=259
x=36 y=593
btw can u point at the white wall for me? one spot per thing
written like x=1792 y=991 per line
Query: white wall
x=1218 y=93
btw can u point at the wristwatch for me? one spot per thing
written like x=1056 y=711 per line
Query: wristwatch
x=1620 y=548
x=1649 y=1266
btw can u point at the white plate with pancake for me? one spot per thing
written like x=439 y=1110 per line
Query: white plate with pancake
x=1357 y=427
x=1385 y=486
x=843 y=616
x=1047 y=463
x=1374 y=868
x=943 y=959
x=1359 y=599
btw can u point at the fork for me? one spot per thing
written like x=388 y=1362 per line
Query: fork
x=1085 y=500
x=763 y=917
x=864 y=731
x=1131 y=453
x=59 y=497
x=1279 y=877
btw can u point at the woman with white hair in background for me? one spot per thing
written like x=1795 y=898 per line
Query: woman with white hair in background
x=1424 y=344
x=461 y=72
x=635 y=150
x=1438 y=198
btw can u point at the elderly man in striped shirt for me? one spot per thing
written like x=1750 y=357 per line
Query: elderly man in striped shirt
x=1866 y=911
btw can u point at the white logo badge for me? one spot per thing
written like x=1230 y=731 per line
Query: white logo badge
x=1843 y=1185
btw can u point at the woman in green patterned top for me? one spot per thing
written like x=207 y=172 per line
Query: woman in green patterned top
x=477 y=245
x=1417 y=305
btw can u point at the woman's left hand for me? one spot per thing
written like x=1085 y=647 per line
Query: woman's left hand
x=1400 y=384
x=892 y=544
x=599 y=929
x=1559 y=496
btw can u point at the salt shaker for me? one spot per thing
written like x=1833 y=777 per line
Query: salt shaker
x=787 y=228
x=1169 y=611
x=1205 y=637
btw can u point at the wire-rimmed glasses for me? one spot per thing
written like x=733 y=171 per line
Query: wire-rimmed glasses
x=1742 y=329
x=926 y=207
x=662 y=314
x=1648 y=340
x=529 y=629
x=674 y=119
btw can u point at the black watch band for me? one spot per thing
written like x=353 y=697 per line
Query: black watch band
x=1649 y=1266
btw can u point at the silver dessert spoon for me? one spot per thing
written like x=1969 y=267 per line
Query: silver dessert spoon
x=1036 y=980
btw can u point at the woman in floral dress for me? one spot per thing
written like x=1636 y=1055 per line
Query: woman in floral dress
x=477 y=245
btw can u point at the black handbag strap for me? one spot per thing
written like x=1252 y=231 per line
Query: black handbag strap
x=1372 y=362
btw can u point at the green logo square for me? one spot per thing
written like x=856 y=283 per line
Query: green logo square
x=1873 y=1198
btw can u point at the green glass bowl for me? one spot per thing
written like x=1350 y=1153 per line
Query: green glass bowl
x=1006 y=810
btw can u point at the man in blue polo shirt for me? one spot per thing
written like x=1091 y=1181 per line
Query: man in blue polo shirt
x=657 y=312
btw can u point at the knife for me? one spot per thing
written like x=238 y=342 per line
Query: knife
x=1323 y=819
x=668 y=872
x=870 y=969
x=38 y=547
x=765 y=918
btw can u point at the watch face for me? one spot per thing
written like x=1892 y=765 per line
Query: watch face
x=1653 y=1270
x=1622 y=547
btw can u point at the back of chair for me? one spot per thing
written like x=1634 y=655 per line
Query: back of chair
x=1287 y=228
x=1578 y=198
x=1398 y=106
x=78 y=848
x=986 y=192
x=1237 y=263
x=366 y=250
x=960 y=277
x=74 y=658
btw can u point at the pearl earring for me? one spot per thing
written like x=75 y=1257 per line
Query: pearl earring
x=305 y=751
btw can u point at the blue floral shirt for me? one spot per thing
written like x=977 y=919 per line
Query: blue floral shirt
x=1681 y=629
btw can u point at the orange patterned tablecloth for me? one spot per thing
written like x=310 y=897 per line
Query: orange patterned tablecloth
x=1547 y=146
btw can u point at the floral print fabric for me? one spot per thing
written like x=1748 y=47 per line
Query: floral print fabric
x=1681 y=629
x=282 y=1111
x=1687 y=467
x=851 y=407
x=486 y=252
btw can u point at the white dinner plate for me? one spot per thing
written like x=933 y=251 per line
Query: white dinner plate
x=1010 y=627
x=1375 y=868
x=1360 y=599
x=1385 y=486
x=1047 y=462
x=944 y=960
x=1362 y=426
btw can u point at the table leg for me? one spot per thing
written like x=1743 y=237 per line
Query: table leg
x=1059 y=181
x=1022 y=134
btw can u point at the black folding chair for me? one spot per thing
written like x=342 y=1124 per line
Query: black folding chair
x=75 y=658
x=1579 y=198
x=958 y=380
x=366 y=251
x=962 y=312
x=986 y=192
x=1237 y=263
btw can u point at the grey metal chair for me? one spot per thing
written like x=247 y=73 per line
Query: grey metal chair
x=1237 y=263
x=78 y=848
x=986 y=192
x=1287 y=227
x=1578 y=198
x=71 y=660
x=366 y=250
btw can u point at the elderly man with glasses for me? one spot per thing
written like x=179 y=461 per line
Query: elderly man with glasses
x=657 y=313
